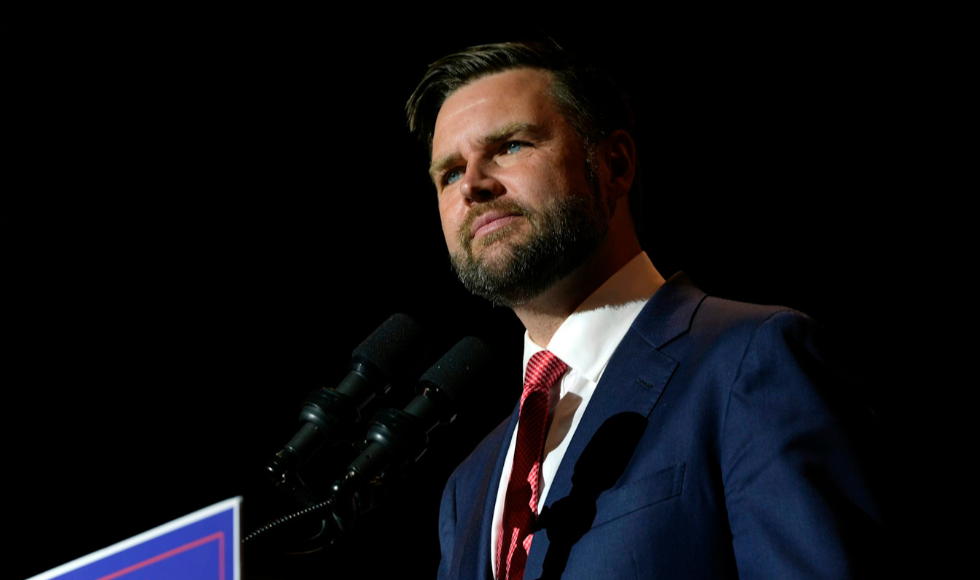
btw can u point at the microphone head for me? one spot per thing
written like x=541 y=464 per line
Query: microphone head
x=394 y=348
x=464 y=364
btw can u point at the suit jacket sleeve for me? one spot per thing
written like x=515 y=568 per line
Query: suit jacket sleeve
x=793 y=459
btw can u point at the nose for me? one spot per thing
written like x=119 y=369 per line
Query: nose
x=478 y=186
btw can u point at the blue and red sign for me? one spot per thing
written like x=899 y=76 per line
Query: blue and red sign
x=199 y=546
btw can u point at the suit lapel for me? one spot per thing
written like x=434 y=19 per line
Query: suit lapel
x=473 y=561
x=633 y=381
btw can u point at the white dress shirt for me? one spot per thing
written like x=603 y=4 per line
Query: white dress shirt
x=585 y=341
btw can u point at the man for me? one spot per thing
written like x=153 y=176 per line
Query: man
x=681 y=436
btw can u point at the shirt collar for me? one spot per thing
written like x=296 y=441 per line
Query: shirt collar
x=604 y=318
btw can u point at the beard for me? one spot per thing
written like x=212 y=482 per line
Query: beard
x=562 y=238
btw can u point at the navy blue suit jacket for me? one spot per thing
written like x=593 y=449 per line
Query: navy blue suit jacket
x=722 y=441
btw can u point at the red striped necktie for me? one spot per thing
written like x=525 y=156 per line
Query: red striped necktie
x=521 y=503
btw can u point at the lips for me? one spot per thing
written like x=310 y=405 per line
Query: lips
x=491 y=221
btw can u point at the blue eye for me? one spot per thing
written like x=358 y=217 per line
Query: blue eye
x=513 y=147
x=452 y=176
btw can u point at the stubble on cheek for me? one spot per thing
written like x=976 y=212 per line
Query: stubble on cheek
x=515 y=264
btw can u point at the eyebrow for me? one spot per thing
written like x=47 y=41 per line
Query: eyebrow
x=501 y=134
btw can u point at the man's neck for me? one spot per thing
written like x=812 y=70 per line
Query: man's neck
x=543 y=315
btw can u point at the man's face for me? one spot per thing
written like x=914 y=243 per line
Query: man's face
x=519 y=209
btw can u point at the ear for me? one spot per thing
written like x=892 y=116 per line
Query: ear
x=619 y=161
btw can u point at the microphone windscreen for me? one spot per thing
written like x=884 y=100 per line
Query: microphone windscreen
x=395 y=347
x=462 y=365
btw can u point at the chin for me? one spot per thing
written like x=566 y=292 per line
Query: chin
x=496 y=259
x=495 y=246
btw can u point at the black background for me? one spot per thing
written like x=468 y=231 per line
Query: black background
x=203 y=214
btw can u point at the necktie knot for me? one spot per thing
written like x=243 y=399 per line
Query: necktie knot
x=543 y=369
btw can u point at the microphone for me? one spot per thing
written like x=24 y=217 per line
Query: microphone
x=398 y=437
x=327 y=414
x=395 y=437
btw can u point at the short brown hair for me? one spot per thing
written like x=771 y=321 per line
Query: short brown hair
x=592 y=103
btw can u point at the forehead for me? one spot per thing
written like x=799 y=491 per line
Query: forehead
x=489 y=103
